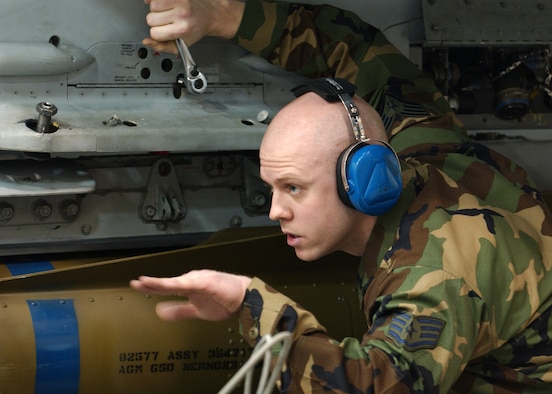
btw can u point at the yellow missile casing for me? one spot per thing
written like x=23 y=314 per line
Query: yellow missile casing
x=81 y=328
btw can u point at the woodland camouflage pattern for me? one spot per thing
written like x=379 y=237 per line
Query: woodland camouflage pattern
x=456 y=283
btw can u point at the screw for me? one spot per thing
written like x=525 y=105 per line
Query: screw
x=149 y=211
x=6 y=212
x=86 y=229
x=69 y=209
x=235 y=222
x=161 y=226
x=42 y=209
x=259 y=200
x=45 y=112
x=264 y=117
x=72 y=209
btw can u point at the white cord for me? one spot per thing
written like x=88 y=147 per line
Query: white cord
x=262 y=349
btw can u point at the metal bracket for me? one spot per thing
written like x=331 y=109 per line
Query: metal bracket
x=163 y=201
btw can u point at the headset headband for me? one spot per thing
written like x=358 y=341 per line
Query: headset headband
x=331 y=90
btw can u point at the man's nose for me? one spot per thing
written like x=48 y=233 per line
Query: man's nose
x=278 y=210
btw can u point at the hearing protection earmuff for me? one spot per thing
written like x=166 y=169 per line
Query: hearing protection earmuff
x=368 y=171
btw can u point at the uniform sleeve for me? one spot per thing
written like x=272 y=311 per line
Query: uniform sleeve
x=408 y=347
x=325 y=41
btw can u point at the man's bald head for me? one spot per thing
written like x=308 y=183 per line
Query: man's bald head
x=314 y=126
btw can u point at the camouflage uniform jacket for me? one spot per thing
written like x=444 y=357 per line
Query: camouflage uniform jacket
x=455 y=281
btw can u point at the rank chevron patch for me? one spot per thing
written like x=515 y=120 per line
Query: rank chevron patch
x=415 y=332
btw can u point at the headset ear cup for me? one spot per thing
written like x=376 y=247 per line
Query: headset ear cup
x=373 y=177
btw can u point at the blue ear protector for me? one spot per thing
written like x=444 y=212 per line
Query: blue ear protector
x=368 y=171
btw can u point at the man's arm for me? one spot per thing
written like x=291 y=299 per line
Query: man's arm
x=321 y=40
x=409 y=346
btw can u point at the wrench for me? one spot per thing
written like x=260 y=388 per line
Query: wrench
x=194 y=80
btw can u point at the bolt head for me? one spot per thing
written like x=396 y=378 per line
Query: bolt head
x=46 y=108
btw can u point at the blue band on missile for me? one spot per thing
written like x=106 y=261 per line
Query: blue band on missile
x=57 y=346
x=29 y=267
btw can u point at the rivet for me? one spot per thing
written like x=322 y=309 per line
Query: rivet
x=253 y=332
x=86 y=229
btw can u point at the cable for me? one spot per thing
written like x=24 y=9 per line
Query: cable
x=263 y=349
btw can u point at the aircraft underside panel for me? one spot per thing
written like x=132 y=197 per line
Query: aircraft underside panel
x=103 y=146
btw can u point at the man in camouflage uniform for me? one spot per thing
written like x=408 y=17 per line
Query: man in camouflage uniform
x=455 y=279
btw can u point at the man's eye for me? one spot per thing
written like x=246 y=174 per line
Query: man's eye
x=292 y=188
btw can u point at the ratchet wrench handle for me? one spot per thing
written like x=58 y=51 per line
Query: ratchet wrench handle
x=193 y=79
